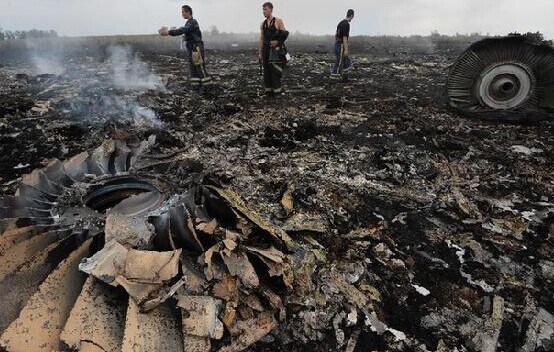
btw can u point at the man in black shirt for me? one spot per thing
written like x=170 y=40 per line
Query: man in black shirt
x=272 y=50
x=192 y=38
x=342 y=47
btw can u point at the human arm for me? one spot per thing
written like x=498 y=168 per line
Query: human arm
x=280 y=24
x=261 y=43
x=164 y=31
x=191 y=25
x=177 y=32
x=346 y=44
x=346 y=39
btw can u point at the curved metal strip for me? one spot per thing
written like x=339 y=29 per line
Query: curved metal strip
x=25 y=191
x=139 y=205
x=161 y=224
x=101 y=156
x=119 y=158
x=77 y=167
x=38 y=179
x=8 y=201
x=56 y=173
x=35 y=203
x=182 y=235
x=137 y=152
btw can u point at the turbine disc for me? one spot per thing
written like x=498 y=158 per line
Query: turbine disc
x=506 y=78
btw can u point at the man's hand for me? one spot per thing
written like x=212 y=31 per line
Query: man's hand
x=260 y=58
x=346 y=53
x=164 y=31
x=274 y=43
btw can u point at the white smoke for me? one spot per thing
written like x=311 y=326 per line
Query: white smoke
x=130 y=73
x=47 y=65
x=140 y=115
x=123 y=110
x=130 y=76
x=46 y=56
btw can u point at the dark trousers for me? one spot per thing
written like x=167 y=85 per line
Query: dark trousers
x=273 y=72
x=198 y=74
x=342 y=62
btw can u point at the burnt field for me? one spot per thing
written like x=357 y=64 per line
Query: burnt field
x=420 y=230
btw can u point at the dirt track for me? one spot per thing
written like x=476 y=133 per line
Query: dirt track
x=432 y=216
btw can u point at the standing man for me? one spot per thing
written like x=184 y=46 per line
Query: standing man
x=342 y=47
x=272 y=50
x=192 y=37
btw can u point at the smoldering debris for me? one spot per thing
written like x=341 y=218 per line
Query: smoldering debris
x=123 y=110
x=114 y=93
x=237 y=258
x=360 y=216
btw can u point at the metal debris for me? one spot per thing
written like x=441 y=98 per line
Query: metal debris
x=131 y=231
x=141 y=273
x=540 y=333
x=247 y=332
x=487 y=339
x=201 y=316
x=506 y=78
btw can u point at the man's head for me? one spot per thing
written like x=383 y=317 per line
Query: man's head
x=350 y=15
x=187 y=12
x=268 y=9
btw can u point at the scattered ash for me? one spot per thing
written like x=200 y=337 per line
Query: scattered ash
x=441 y=225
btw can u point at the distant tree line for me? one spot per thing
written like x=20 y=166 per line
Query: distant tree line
x=30 y=34
x=536 y=37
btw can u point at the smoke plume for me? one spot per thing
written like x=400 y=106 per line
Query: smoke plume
x=46 y=56
x=130 y=73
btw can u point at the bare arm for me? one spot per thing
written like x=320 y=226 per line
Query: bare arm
x=280 y=24
x=261 y=43
x=346 y=46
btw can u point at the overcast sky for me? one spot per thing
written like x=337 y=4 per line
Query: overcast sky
x=404 y=17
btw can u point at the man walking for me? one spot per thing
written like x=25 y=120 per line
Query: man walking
x=342 y=47
x=272 y=50
x=192 y=37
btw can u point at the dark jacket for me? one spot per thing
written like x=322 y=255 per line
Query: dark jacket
x=191 y=32
x=281 y=36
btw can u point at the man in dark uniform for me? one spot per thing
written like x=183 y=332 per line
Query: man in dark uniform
x=272 y=50
x=192 y=37
x=342 y=47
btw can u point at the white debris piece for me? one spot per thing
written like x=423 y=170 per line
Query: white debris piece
x=380 y=328
x=521 y=149
x=21 y=166
x=421 y=290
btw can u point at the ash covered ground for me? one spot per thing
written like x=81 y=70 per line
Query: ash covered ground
x=430 y=232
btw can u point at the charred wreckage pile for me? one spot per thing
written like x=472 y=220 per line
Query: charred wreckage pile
x=197 y=248
x=367 y=218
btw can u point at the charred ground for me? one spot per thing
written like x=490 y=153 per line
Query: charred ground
x=400 y=192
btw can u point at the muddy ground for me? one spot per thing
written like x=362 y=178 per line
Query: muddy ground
x=445 y=223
